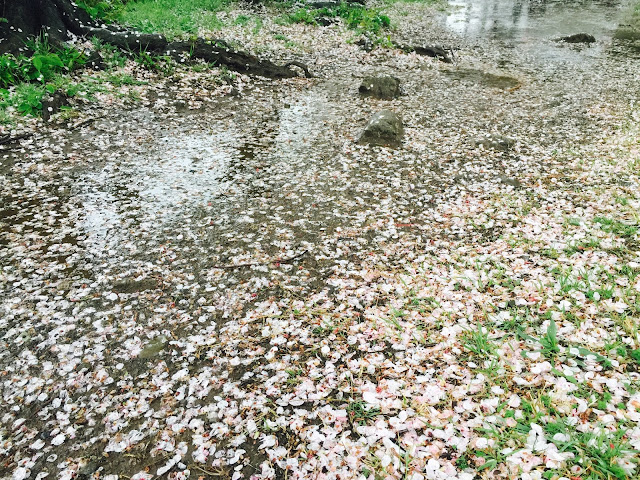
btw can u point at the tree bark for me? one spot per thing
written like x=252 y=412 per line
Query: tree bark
x=58 y=18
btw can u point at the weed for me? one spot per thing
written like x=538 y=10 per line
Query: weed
x=294 y=376
x=226 y=76
x=25 y=99
x=549 y=341
x=360 y=413
x=122 y=79
x=258 y=26
x=112 y=56
x=242 y=20
x=582 y=245
x=155 y=63
x=44 y=63
x=478 y=342
x=616 y=227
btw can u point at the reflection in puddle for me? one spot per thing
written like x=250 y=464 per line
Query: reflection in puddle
x=529 y=21
x=144 y=191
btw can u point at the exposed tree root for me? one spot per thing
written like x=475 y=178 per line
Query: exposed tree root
x=59 y=18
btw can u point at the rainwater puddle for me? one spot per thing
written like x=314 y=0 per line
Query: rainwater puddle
x=536 y=25
x=149 y=190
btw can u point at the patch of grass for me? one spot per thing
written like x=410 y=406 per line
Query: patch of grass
x=294 y=376
x=360 y=413
x=112 y=56
x=478 y=342
x=187 y=16
x=582 y=245
x=104 y=10
x=242 y=20
x=549 y=342
x=121 y=79
x=616 y=227
x=26 y=79
x=301 y=15
x=600 y=454
x=156 y=63
x=357 y=17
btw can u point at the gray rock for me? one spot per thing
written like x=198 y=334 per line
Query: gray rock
x=383 y=87
x=52 y=103
x=130 y=285
x=434 y=51
x=513 y=182
x=384 y=128
x=365 y=43
x=88 y=469
x=579 y=38
x=497 y=142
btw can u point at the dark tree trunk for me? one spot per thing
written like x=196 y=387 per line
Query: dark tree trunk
x=59 y=18
x=28 y=18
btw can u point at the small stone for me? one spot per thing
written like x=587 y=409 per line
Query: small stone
x=579 y=38
x=514 y=182
x=52 y=103
x=154 y=347
x=383 y=87
x=496 y=142
x=384 y=128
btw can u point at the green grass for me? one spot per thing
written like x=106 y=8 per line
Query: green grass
x=102 y=9
x=360 y=413
x=478 y=342
x=25 y=80
x=616 y=227
x=360 y=18
x=187 y=16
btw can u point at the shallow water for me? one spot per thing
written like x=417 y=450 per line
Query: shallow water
x=536 y=25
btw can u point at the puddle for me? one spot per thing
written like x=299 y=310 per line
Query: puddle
x=147 y=191
x=479 y=77
x=536 y=25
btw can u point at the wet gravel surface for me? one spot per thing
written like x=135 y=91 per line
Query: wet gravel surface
x=164 y=269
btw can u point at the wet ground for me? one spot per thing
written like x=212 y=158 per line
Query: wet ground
x=162 y=224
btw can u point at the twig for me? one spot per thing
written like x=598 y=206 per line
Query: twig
x=257 y=264
x=82 y=123
x=203 y=470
